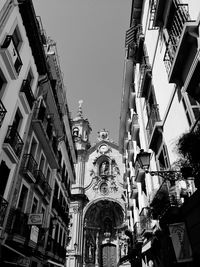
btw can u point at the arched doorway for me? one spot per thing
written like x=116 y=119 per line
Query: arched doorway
x=108 y=255
x=102 y=221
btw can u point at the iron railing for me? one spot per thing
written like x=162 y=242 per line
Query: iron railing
x=42 y=182
x=26 y=89
x=3 y=112
x=29 y=164
x=3 y=209
x=17 y=223
x=180 y=17
x=153 y=117
x=165 y=197
x=14 y=140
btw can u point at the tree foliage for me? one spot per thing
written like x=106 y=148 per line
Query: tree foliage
x=188 y=147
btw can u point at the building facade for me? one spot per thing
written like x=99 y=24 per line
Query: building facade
x=37 y=152
x=160 y=102
x=98 y=206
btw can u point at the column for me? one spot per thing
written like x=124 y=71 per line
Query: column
x=97 y=249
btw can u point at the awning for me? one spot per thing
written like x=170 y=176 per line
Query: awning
x=55 y=263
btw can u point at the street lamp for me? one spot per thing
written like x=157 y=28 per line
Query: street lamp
x=143 y=159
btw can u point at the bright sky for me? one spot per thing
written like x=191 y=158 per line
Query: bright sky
x=90 y=41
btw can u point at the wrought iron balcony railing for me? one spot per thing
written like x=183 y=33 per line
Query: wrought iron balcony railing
x=14 y=56
x=3 y=112
x=180 y=17
x=55 y=248
x=29 y=164
x=146 y=221
x=42 y=182
x=145 y=77
x=17 y=223
x=26 y=89
x=14 y=140
x=61 y=209
x=138 y=232
x=153 y=117
x=165 y=198
x=3 y=209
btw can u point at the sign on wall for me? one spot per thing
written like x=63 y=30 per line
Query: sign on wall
x=180 y=241
x=35 y=219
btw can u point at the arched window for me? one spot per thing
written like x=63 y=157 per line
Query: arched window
x=76 y=132
x=104 y=168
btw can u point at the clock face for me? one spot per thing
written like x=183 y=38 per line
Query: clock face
x=104 y=188
x=103 y=149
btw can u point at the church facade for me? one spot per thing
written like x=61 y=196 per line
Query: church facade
x=98 y=207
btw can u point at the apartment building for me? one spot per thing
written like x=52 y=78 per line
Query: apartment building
x=160 y=102
x=37 y=152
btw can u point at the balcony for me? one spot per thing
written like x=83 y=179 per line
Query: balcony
x=134 y=191
x=165 y=203
x=135 y=128
x=139 y=174
x=17 y=226
x=192 y=83
x=146 y=222
x=145 y=80
x=55 y=249
x=61 y=210
x=131 y=149
x=181 y=52
x=181 y=46
x=154 y=128
x=3 y=112
x=11 y=57
x=13 y=144
x=28 y=167
x=3 y=209
x=134 y=41
x=43 y=127
x=26 y=96
x=42 y=185
x=138 y=233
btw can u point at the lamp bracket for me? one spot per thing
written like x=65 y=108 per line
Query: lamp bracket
x=167 y=175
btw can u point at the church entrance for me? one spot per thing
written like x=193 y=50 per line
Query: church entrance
x=109 y=255
x=102 y=224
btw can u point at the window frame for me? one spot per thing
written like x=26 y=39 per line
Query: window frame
x=26 y=201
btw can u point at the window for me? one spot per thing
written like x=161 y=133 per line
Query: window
x=56 y=190
x=60 y=236
x=17 y=120
x=5 y=171
x=43 y=211
x=75 y=132
x=33 y=147
x=48 y=176
x=42 y=161
x=3 y=83
x=17 y=39
x=163 y=158
x=143 y=186
x=23 y=198
x=34 y=205
x=192 y=109
x=30 y=77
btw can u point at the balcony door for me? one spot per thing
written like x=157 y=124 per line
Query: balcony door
x=109 y=255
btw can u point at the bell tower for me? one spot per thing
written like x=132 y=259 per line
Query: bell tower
x=80 y=131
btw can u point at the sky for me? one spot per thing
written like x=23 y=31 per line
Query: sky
x=89 y=36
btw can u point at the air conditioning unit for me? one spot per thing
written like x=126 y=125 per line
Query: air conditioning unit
x=11 y=57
